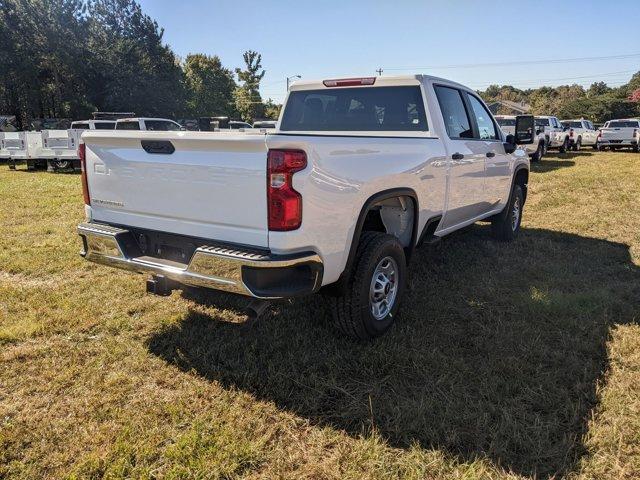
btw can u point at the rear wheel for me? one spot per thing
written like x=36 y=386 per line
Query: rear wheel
x=539 y=153
x=506 y=225
x=370 y=303
x=578 y=145
x=565 y=145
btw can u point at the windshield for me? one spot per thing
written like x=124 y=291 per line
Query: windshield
x=506 y=122
x=355 y=109
x=542 y=122
x=623 y=124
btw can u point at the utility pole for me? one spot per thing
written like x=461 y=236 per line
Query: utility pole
x=289 y=78
x=379 y=71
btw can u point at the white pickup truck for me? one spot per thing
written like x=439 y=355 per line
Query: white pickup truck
x=357 y=174
x=623 y=133
x=553 y=132
x=581 y=133
x=536 y=150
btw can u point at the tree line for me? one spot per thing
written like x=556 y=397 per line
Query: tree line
x=599 y=102
x=68 y=58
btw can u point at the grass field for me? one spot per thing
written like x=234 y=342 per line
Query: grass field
x=508 y=361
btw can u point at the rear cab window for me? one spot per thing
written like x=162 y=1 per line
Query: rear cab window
x=506 y=122
x=128 y=125
x=161 y=126
x=358 y=109
x=623 y=124
x=105 y=125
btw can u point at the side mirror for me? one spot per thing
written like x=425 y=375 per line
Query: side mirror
x=510 y=144
x=525 y=129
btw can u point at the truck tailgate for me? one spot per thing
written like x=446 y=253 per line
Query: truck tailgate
x=621 y=133
x=202 y=184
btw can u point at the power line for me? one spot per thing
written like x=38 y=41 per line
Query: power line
x=524 y=62
x=530 y=81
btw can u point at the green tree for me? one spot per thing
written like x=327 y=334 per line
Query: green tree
x=598 y=88
x=272 y=110
x=209 y=86
x=247 y=96
x=129 y=67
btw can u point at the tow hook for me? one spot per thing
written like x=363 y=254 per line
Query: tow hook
x=159 y=285
x=256 y=308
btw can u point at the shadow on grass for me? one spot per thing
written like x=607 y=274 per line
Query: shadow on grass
x=496 y=355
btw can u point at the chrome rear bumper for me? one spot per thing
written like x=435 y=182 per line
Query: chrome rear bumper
x=232 y=269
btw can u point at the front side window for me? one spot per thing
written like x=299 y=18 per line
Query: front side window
x=454 y=113
x=359 y=109
x=486 y=127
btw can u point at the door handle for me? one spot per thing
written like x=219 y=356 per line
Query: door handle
x=491 y=154
x=457 y=156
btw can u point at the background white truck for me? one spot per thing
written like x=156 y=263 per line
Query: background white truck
x=358 y=173
x=622 y=133
x=553 y=132
x=536 y=150
x=581 y=133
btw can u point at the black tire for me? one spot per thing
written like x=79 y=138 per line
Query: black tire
x=505 y=226
x=578 y=145
x=600 y=147
x=539 y=153
x=565 y=145
x=352 y=312
x=635 y=148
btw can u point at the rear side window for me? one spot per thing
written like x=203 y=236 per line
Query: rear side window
x=454 y=113
x=128 y=125
x=377 y=109
x=161 y=126
x=105 y=126
x=486 y=127
x=623 y=124
x=80 y=126
x=506 y=122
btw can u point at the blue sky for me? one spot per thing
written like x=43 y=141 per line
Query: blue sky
x=353 y=38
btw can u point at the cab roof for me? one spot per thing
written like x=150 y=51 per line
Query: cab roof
x=381 y=81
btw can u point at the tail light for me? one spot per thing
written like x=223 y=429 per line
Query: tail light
x=571 y=133
x=284 y=203
x=82 y=153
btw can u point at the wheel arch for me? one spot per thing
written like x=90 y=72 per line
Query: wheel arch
x=365 y=211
